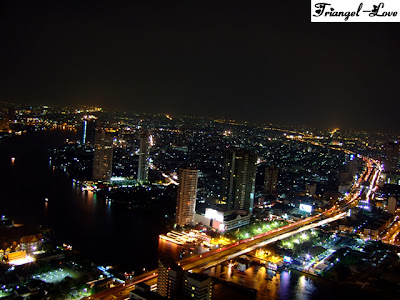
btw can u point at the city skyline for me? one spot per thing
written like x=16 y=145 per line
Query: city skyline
x=205 y=61
x=206 y=151
x=330 y=177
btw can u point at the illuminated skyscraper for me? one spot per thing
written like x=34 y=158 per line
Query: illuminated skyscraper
x=238 y=180
x=351 y=169
x=271 y=180
x=84 y=131
x=103 y=156
x=4 y=120
x=88 y=131
x=143 y=167
x=392 y=157
x=348 y=172
x=169 y=279
x=186 y=200
x=392 y=205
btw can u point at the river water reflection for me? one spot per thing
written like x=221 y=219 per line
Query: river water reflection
x=288 y=285
x=105 y=233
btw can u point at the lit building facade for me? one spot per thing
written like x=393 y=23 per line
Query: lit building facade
x=143 y=167
x=169 y=278
x=271 y=180
x=4 y=120
x=197 y=286
x=392 y=157
x=222 y=221
x=186 y=200
x=31 y=243
x=311 y=189
x=103 y=156
x=88 y=131
x=351 y=168
x=238 y=180
x=392 y=205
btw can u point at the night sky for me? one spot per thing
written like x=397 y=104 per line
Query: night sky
x=250 y=61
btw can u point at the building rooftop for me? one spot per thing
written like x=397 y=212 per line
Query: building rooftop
x=31 y=238
x=197 y=276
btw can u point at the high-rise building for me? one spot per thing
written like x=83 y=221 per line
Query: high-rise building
x=344 y=177
x=143 y=167
x=88 y=131
x=392 y=157
x=311 y=189
x=271 y=180
x=197 y=286
x=186 y=200
x=238 y=180
x=103 y=156
x=351 y=168
x=11 y=114
x=169 y=278
x=4 y=120
x=392 y=205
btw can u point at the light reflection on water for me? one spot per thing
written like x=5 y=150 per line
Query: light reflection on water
x=284 y=289
x=166 y=248
x=289 y=285
x=86 y=221
x=304 y=288
x=269 y=284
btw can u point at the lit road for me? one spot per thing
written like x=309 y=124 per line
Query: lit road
x=121 y=291
x=171 y=180
x=393 y=231
x=212 y=258
x=256 y=243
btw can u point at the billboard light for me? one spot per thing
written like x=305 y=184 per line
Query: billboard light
x=287 y=259
x=214 y=214
x=305 y=207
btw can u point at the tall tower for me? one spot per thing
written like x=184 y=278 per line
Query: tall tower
x=238 y=180
x=169 y=278
x=392 y=205
x=351 y=168
x=103 y=155
x=187 y=191
x=4 y=120
x=271 y=180
x=88 y=131
x=143 y=168
x=392 y=157
x=84 y=131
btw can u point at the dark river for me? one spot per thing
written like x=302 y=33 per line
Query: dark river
x=106 y=234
